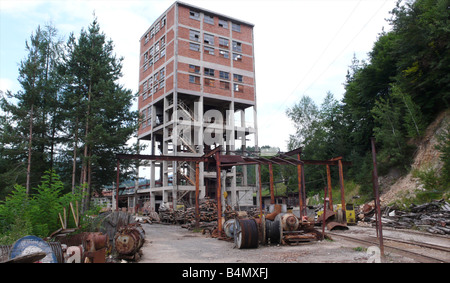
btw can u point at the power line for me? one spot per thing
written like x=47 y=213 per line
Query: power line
x=323 y=52
x=340 y=53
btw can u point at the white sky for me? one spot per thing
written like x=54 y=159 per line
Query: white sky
x=301 y=47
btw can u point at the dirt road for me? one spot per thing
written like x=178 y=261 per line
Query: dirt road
x=173 y=244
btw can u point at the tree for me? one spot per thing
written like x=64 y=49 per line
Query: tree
x=29 y=122
x=98 y=105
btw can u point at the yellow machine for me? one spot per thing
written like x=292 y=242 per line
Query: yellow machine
x=349 y=213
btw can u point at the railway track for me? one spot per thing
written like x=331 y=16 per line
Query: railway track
x=389 y=246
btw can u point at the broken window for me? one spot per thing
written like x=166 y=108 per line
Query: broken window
x=224 y=85
x=237 y=57
x=223 y=23
x=208 y=39
x=194 y=79
x=237 y=78
x=193 y=46
x=209 y=72
x=238 y=88
x=224 y=54
x=236 y=27
x=194 y=69
x=237 y=46
x=209 y=82
x=209 y=50
x=208 y=19
x=194 y=15
x=223 y=42
x=194 y=35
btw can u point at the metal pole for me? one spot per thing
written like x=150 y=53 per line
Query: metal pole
x=341 y=182
x=330 y=202
x=219 y=196
x=197 y=189
x=260 y=191
x=377 y=196
x=272 y=195
x=300 y=188
x=324 y=216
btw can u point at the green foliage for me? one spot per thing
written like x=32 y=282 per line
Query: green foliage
x=37 y=214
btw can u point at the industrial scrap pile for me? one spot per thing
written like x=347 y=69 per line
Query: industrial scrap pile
x=433 y=217
x=207 y=213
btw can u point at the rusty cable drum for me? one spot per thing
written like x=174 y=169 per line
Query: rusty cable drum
x=273 y=231
x=246 y=234
x=129 y=239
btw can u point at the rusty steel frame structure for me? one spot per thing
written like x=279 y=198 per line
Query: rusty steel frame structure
x=292 y=158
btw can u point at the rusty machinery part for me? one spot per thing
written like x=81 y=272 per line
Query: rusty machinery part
x=94 y=241
x=129 y=239
x=261 y=222
x=228 y=227
x=289 y=222
x=246 y=234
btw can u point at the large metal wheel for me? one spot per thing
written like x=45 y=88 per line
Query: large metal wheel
x=246 y=234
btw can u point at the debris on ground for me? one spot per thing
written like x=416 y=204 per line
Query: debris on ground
x=433 y=217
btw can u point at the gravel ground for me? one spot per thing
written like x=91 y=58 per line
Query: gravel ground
x=173 y=244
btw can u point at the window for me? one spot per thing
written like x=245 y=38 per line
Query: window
x=146 y=56
x=194 y=69
x=161 y=74
x=151 y=51
x=209 y=82
x=237 y=57
x=145 y=87
x=236 y=27
x=237 y=78
x=209 y=50
x=194 y=35
x=163 y=52
x=163 y=22
x=150 y=62
x=238 y=88
x=157 y=27
x=194 y=79
x=152 y=33
x=163 y=41
x=224 y=75
x=223 y=42
x=224 y=85
x=223 y=23
x=146 y=38
x=208 y=39
x=194 y=15
x=208 y=19
x=237 y=46
x=209 y=72
x=195 y=47
x=224 y=54
x=157 y=46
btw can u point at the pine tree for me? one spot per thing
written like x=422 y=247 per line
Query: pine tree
x=30 y=117
x=99 y=105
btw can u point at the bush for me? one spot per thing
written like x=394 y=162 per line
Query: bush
x=22 y=214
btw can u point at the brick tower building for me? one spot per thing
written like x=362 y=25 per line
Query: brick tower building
x=197 y=91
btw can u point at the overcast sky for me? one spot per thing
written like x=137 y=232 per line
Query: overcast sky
x=301 y=47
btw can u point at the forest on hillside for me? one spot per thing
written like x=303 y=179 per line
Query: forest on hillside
x=392 y=96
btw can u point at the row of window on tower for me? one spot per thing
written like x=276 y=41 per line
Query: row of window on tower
x=209 y=78
x=208 y=40
x=153 y=84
